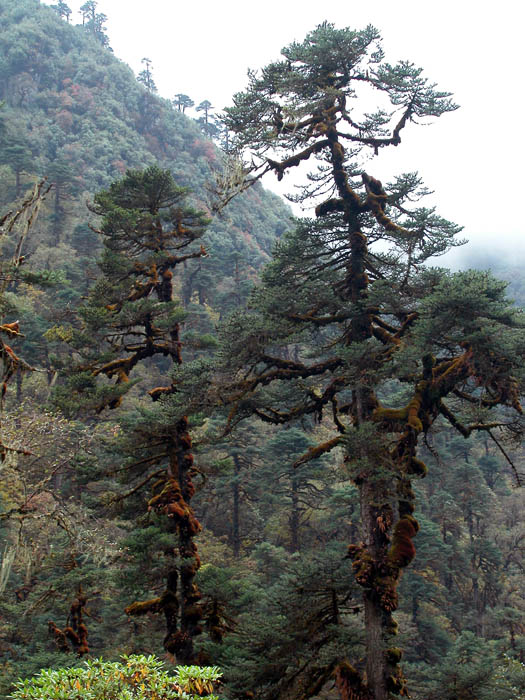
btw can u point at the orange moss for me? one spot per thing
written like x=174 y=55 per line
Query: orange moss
x=114 y=367
x=414 y=407
x=384 y=336
x=12 y=329
x=187 y=461
x=390 y=414
x=194 y=526
x=175 y=510
x=184 y=441
x=386 y=590
x=159 y=391
x=137 y=608
x=456 y=366
x=317 y=451
x=363 y=564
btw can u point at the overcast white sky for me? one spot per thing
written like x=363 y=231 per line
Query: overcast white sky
x=472 y=158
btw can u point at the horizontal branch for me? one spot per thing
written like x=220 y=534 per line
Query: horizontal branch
x=123 y=496
x=465 y=430
x=281 y=167
x=317 y=451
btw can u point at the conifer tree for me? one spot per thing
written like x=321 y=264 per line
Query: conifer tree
x=206 y=107
x=182 y=102
x=348 y=311
x=208 y=122
x=62 y=9
x=18 y=156
x=94 y=21
x=132 y=316
x=146 y=77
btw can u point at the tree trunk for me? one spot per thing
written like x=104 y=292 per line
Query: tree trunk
x=295 y=513
x=236 y=537
x=56 y=211
x=181 y=462
x=377 y=620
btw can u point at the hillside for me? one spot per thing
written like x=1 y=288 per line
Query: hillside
x=75 y=113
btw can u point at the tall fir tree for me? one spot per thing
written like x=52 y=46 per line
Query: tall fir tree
x=348 y=311
x=133 y=316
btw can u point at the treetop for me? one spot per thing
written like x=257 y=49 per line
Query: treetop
x=297 y=101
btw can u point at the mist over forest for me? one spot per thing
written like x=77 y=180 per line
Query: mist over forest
x=250 y=447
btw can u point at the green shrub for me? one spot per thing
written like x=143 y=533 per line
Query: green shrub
x=134 y=678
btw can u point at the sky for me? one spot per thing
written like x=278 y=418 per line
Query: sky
x=471 y=158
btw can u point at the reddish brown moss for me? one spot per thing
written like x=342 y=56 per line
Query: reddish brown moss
x=402 y=550
x=193 y=613
x=386 y=591
x=59 y=637
x=417 y=467
x=349 y=683
x=177 y=643
x=363 y=564
x=396 y=684
x=414 y=407
x=75 y=631
x=72 y=636
x=385 y=337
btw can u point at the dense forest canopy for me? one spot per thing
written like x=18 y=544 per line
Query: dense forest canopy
x=228 y=465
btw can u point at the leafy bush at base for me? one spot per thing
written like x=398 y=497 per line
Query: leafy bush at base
x=133 y=678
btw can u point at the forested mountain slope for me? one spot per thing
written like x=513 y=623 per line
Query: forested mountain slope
x=75 y=113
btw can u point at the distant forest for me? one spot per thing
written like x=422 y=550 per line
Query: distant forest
x=245 y=454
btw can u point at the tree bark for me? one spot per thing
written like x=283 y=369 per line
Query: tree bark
x=377 y=620
x=295 y=513
x=236 y=537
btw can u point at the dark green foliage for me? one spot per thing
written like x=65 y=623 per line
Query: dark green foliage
x=300 y=625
